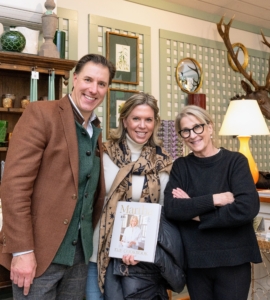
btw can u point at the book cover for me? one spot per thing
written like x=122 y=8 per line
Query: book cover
x=135 y=230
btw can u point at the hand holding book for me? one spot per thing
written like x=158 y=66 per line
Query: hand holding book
x=129 y=260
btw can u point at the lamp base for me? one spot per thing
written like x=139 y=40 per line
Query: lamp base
x=244 y=149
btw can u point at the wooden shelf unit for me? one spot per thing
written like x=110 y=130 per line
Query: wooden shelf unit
x=15 y=77
x=15 y=74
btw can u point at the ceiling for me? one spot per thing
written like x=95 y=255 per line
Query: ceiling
x=254 y=12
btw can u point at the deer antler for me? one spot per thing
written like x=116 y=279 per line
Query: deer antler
x=265 y=40
x=225 y=36
x=195 y=69
x=268 y=75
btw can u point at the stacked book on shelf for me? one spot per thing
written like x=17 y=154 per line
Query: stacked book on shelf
x=170 y=138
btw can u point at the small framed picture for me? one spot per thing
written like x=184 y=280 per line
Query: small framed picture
x=115 y=98
x=123 y=52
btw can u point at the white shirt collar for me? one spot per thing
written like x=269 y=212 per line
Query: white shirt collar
x=92 y=118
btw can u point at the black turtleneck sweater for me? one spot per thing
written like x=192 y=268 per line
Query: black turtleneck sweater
x=224 y=236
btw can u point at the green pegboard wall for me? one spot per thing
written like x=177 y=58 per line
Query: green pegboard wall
x=220 y=83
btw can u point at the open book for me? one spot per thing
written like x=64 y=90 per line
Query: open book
x=135 y=230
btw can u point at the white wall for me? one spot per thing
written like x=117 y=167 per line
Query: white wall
x=154 y=18
x=30 y=5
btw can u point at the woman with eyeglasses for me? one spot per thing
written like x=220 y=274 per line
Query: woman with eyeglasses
x=212 y=196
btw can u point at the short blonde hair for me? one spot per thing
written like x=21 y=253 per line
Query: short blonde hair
x=193 y=110
x=134 y=217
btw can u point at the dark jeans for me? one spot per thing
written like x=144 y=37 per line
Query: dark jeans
x=59 y=282
x=222 y=283
x=92 y=289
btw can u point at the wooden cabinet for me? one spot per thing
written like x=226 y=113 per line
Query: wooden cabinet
x=15 y=74
x=4 y=278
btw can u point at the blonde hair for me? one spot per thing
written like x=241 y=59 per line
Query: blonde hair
x=118 y=134
x=134 y=217
x=196 y=111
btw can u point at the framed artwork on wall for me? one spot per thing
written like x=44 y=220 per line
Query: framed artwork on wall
x=115 y=98
x=123 y=52
x=189 y=75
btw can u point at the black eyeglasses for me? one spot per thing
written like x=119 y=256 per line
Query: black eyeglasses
x=185 y=133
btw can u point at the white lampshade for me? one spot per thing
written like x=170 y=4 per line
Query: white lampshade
x=244 y=118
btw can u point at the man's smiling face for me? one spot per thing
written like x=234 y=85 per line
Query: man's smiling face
x=90 y=87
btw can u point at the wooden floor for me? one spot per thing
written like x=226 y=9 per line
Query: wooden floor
x=180 y=297
x=183 y=295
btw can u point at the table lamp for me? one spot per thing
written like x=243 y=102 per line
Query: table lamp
x=244 y=119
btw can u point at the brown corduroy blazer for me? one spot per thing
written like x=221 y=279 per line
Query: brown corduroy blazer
x=40 y=183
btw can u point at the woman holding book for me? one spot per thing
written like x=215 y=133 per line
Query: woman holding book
x=212 y=196
x=136 y=168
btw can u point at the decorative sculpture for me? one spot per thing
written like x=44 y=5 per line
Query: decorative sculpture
x=261 y=91
x=49 y=25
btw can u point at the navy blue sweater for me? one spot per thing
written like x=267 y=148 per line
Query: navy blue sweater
x=224 y=236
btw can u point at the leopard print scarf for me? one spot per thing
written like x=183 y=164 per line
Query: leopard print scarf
x=149 y=164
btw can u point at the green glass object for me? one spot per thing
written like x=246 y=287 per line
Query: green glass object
x=13 y=41
x=60 y=42
x=3 y=130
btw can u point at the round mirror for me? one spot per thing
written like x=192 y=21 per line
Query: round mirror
x=242 y=56
x=189 y=75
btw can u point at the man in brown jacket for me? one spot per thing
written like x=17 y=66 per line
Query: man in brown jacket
x=53 y=188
